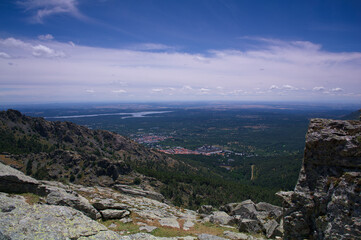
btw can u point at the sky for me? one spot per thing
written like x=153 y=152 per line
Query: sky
x=54 y=51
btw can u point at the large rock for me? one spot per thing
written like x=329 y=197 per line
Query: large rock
x=22 y=221
x=236 y=236
x=220 y=217
x=14 y=181
x=114 y=214
x=58 y=196
x=169 y=222
x=272 y=210
x=139 y=192
x=326 y=202
x=205 y=236
x=245 y=209
x=109 y=204
x=250 y=226
x=205 y=209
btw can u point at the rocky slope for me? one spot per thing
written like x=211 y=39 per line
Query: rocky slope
x=65 y=151
x=326 y=202
x=33 y=209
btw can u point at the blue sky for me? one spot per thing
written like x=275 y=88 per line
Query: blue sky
x=162 y=50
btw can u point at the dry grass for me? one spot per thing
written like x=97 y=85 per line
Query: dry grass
x=11 y=162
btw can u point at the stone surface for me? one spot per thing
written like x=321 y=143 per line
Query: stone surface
x=220 y=217
x=326 y=202
x=114 y=214
x=109 y=204
x=270 y=228
x=188 y=224
x=14 y=181
x=36 y=221
x=205 y=209
x=139 y=192
x=204 y=236
x=58 y=196
x=169 y=222
x=236 y=236
x=250 y=226
x=147 y=228
x=245 y=209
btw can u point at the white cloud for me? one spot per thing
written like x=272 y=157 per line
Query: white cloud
x=19 y=48
x=72 y=44
x=41 y=9
x=157 y=90
x=12 y=42
x=151 y=46
x=119 y=91
x=274 y=87
x=319 y=89
x=289 y=87
x=44 y=51
x=187 y=88
x=204 y=91
x=90 y=91
x=46 y=37
x=290 y=67
x=4 y=55
x=336 y=90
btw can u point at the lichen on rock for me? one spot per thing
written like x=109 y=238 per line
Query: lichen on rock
x=326 y=202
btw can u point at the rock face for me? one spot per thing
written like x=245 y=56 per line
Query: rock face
x=20 y=220
x=260 y=218
x=326 y=202
x=139 y=192
x=12 y=180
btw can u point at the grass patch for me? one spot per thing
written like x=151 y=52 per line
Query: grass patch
x=31 y=198
x=170 y=232
x=210 y=228
x=128 y=228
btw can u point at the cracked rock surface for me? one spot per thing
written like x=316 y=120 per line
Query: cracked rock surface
x=326 y=202
x=23 y=221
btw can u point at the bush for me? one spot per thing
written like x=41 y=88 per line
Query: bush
x=137 y=181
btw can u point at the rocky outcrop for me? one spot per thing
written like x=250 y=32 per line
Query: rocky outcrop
x=58 y=196
x=326 y=202
x=14 y=181
x=19 y=220
x=220 y=217
x=260 y=218
x=139 y=192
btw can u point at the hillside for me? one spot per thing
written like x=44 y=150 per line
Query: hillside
x=67 y=152
x=353 y=116
x=325 y=203
x=63 y=150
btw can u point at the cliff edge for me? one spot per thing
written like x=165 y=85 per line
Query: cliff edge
x=326 y=202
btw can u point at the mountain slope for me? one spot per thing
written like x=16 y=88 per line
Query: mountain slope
x=67 y=152
x=64 y=150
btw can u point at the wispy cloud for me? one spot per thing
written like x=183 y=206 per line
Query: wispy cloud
x=318 y=89
x=152 y=47
x=19 y=48
x=44 y=51
x=119 y=91
x=4 y=55
x=41 y=9
x=336 y=90
x=46 y=37
x=292 y=70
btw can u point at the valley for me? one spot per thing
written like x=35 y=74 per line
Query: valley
x=222 y=143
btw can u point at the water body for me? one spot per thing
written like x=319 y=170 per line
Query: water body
x=126 y=115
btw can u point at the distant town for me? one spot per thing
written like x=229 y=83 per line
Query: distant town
x=207 y=150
